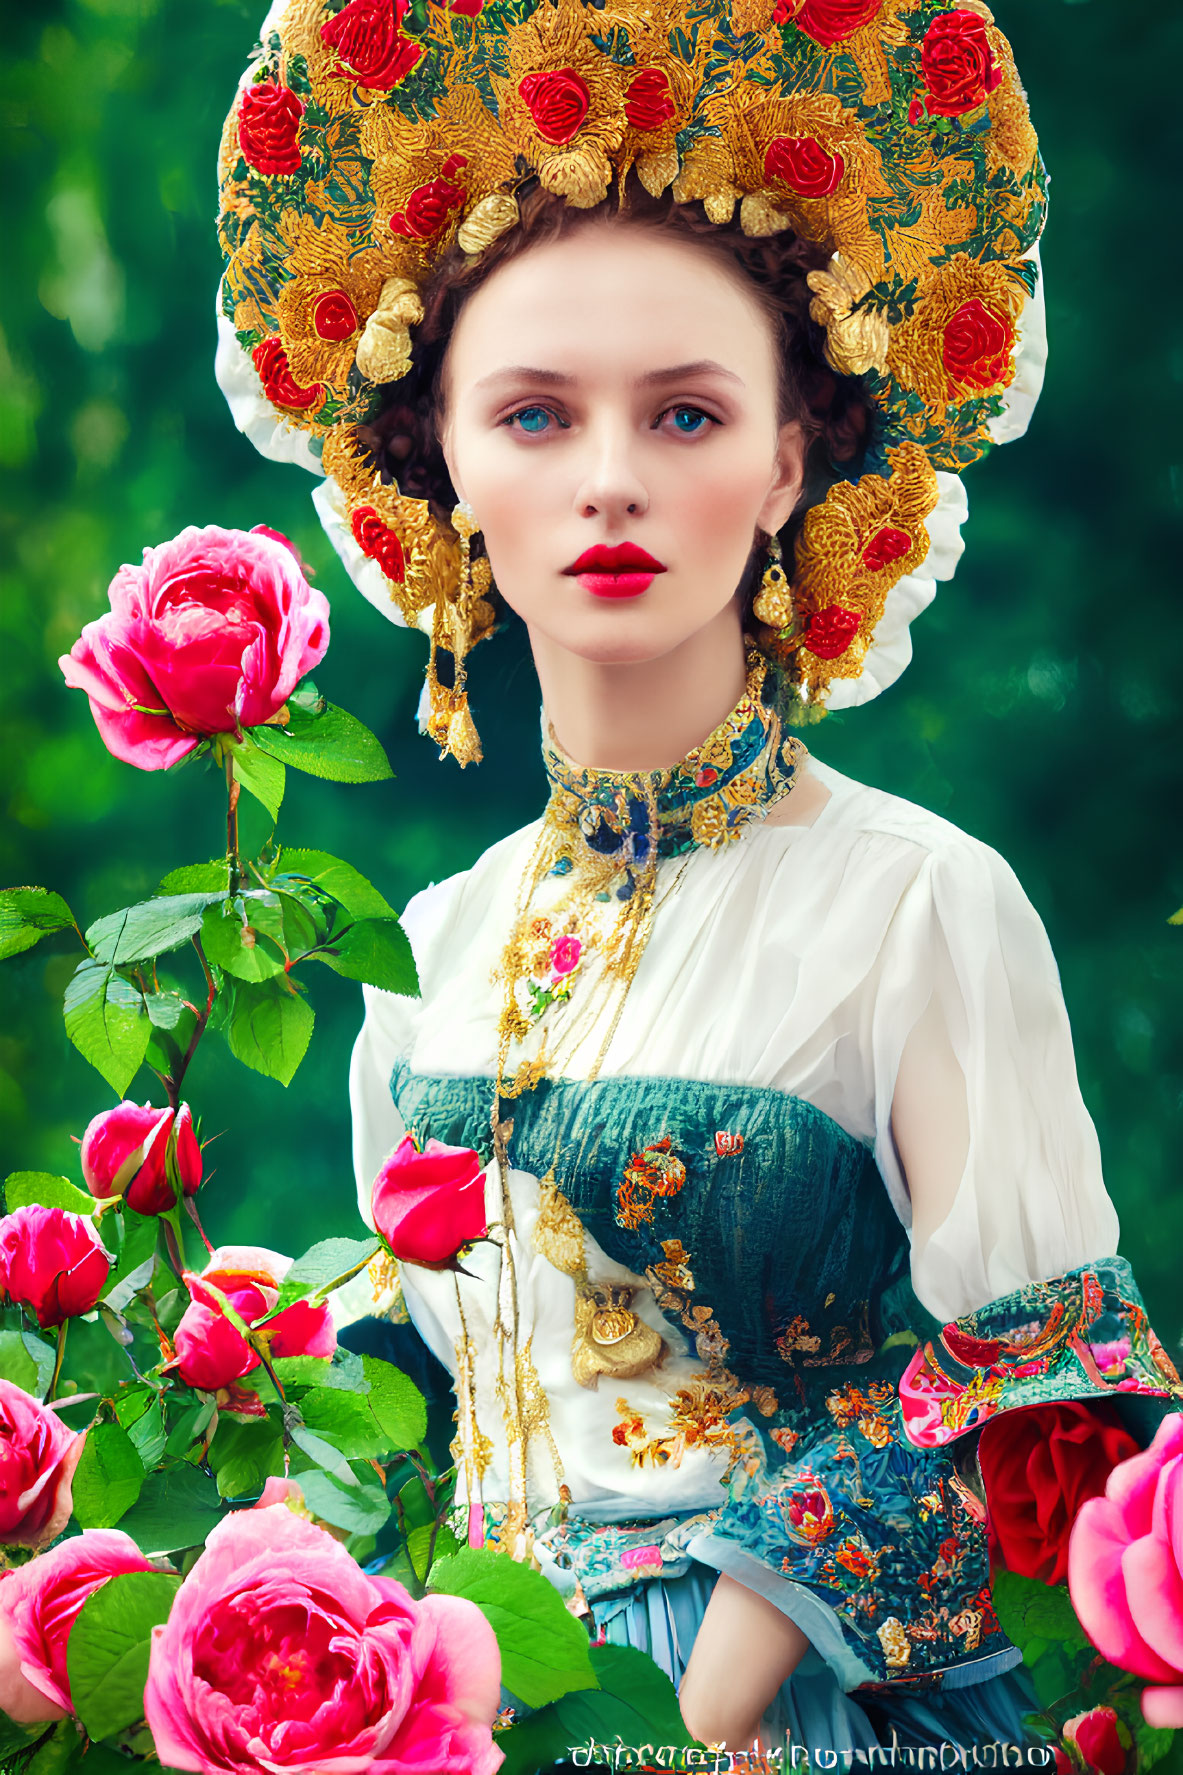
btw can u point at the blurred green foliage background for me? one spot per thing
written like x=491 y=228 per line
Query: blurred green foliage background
x=1041 y=713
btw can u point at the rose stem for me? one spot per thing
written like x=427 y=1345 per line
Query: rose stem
x=232 y=792
x=173 y=1083
x=57 y=1366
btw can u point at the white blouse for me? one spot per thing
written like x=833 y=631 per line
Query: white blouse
x=803 y=958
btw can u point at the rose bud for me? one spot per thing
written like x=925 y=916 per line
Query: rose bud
x=40 y=1606
x=210 y=1350
x=38 y=1455
x=1100 y=1737
x=209 y=636
x=125 y=1153
x=51 y=1262
x=429 y=1204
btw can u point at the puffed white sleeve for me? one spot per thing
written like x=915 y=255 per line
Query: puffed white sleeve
x=982 y=1134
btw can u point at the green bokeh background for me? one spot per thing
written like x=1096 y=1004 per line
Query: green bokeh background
x=1041 y=713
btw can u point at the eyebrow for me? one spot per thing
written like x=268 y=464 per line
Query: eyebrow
x=556 y=378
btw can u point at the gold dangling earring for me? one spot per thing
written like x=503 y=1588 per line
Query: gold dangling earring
x=449 y=720
x=773 y=603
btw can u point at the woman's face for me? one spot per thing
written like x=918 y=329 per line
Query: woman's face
x=618 y=386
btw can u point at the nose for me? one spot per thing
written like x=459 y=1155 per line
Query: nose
x=610 y=485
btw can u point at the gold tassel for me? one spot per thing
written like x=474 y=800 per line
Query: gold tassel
x=457 y=622
x=773 y=603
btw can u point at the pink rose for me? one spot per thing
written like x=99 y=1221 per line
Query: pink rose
x=124 y=1153
x=38 y=1455
x=51 y=1262
x=565 y=953
x=1125 y=1570
x=41 y=1604
x=281 y=1653
x=210 y=1351
x=1097 y=1735
x=211 y=635
x=428 y=1204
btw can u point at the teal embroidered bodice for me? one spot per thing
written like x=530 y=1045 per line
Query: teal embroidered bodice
x=768 y=1238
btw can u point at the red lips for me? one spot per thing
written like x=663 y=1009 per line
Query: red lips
x=620 y=557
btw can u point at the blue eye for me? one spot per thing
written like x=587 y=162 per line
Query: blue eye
x=695 y=414
x=528 y=418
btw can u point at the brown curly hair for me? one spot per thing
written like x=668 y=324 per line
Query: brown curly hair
x=834 y=411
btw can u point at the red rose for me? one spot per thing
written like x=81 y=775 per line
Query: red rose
x=466 y=8
x=427 y=209
x=978 y=344
x=125 y=1153
x=379 y=542
x=38 y=1455
x=428 y=1204
x=957 y=63
x=51 y=1262
x=802 y=163
x=647 y=103
x=369 y=43
x=210 y=1352
x=268 y=124
x=829 y=632
x=832 y=21
x=886 y=546
x=1097 y=1736
x=558 y=101
x=279 y=385
x=1039 y=1466
x=334 y=316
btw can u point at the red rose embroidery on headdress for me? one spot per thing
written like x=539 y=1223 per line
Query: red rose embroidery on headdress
x=647 y=103
x=334 y=316
x=886 y=546
x=804 y=165
x=268 y=124
x=279 y=385
x=379 y=542
x=978 y=345
x=558 y=101
x=957 y=63
x=466 y=8
x=371 y=47
x=428 y=205
x=828 y=21
x=829 y=632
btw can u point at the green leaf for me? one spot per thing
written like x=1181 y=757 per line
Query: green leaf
x=198 y=878
x=325 y=1266
x=347 y=886
x=331 y=744
x=132 y=1269
x=1030 y=1611
x=635 y=1701
x=420 y=1547
x=269 y=1028
x=396 y=1402
x=108 y=1478
x=109 y=1645
x=323 y=1454
x=245 y=1454
x=236 y=945
x=177 y=1508
x=173 y=1023
x=27 y=915
x=139 y=1412
x=347 y=1420
x=301 y=1371
x=544 y=1649
x=106 y=1022
x=376 y=951
x=260 y=774
x=26 y=1361
x=137 y=933
x=361 y=1508
x=25 y=1187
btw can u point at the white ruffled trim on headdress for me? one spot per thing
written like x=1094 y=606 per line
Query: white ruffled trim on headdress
x=891 y=648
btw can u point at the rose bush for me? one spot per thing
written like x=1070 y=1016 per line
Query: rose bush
x=38 y=1455
x=38 y=1607
x=269 y=128
x=1125 y=1570
x=210 y=1350
x=125 y=1151
x=51 y=1262
x=280 y=1651
x=1039 y=1466
x=211 y=635
x=428 y=1204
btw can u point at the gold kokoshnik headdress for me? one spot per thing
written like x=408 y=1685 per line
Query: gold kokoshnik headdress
x=368 y=137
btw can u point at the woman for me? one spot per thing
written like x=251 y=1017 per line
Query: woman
x=771 y=1071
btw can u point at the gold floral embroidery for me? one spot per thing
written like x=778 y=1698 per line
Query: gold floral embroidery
x=698 y=1419
x=325 y=304
x=610 y=1338
x=654 y=1171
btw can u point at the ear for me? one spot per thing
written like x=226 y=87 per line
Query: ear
x=788 y=479
x=445 y=443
